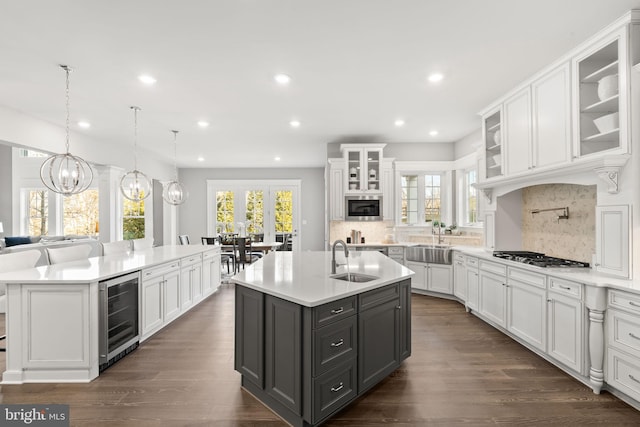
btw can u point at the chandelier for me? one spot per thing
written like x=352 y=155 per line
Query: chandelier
x=66 y=174
x=174 y=192
x=135 y=185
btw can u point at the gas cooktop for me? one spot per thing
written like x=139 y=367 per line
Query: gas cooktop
x=538 y=259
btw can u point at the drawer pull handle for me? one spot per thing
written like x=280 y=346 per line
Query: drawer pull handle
x=634 y=304
x=341 y=386
x=337 y=310
x=630 y=376
x=634 y=336
x=337 y=343
x=566 y=288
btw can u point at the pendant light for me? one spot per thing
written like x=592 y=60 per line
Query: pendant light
x=135 y=185
x=66 y=174
x=174 y=192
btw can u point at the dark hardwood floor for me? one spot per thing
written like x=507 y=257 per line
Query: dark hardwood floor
x=461 y=372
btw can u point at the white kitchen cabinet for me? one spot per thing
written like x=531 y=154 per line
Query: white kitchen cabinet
x=473 y=284
x=336 y=189
x=493 y=292
x=623 y=343
x=565 y=323
x=607 y=57
x=492 y=135
x=363 y=168
x=210 y=272
x=527 y=306
x=431 y=277
x=613 y=240
x=190 y=281
x=459 y=277
x=517 y=132
x=388 y=190
x=551 y=118
x=160 y=297
x=489 y=230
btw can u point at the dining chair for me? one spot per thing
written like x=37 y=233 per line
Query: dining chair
x=244 y=255
x=15 y=262
x=209 y=240
x=142 y=244
x=228 y=255
x=119 y=247
x=72 y=253
x=184 y=239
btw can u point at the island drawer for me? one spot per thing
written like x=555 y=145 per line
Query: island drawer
x=379 y=296
x=190 y=260
x=334 y=311
x=333 y=390
x=334 y=344
x=160 y=269
x=623 y=373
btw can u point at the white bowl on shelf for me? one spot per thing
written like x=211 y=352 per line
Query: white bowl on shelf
x=607 y=123
x=353 y=186
x=497 y=159
x=372 y=186
x=497 y=137
x=607 y=87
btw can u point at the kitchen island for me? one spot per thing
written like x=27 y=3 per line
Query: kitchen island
x=308 y=343
x=53 y=312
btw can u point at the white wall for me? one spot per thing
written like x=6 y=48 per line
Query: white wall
x=469 y=144
x=192 y=214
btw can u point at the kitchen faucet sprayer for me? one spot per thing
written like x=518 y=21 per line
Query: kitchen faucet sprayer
x=333 y=254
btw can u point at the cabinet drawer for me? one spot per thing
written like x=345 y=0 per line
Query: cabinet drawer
x=457 y=256
x=210 y=254
x=493 y=267
x=471 y=262
x=535 y=279
x=379 y=296
x=159 y=270
x=334 y=311
x=625 y=301
x=565 y=287
x=624 y=332
x=333 y=390
x=623 y=373
x=190 y=260
x=334 y=344
x=395 y=250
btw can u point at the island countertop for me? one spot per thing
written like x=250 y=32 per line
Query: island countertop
x=103 y=267
x=305 y=277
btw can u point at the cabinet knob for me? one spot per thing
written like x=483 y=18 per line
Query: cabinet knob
x=398 y=307
x=549 y=300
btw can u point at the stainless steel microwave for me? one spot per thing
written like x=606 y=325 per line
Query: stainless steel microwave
x=363 y=208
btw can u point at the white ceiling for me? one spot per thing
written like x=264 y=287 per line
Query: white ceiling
x=356 y=66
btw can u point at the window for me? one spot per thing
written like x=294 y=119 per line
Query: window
x=470 y=208
x=132 y=219
x=421 y=198
x=254 y=212
x=38 y=212
x=224 y=212
x=24 y=152
x=80 y=213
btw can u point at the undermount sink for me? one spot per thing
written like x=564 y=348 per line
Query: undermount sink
x=354 y=277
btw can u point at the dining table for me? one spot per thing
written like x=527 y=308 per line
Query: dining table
x=256 y=246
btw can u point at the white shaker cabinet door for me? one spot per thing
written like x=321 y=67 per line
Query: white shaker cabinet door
x=613 y=240
x=517 y=132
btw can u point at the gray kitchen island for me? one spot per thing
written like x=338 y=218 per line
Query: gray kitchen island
x=308 y=343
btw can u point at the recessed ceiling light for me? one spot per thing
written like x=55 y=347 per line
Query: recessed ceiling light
x=84 y=125
x=147 y=79
x=277 y=158
x=399 y=123
x=294 y=123
x=203 y=124
x=282 y=79
x=435 y=77
x=201 y=159
x=433 y=133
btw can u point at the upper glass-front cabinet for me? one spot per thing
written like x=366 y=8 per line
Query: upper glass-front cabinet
x=363 y=167
x=492 y=131
x=601 y=79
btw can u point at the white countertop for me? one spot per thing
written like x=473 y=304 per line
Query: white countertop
x=304 y=278
x=104 y=267
x=587 y=276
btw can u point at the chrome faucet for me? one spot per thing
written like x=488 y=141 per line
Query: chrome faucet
x=440 y=239
x=334 y=264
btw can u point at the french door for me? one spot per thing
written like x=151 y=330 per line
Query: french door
x=267 y=209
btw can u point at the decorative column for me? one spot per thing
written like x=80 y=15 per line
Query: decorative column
x=596 y=301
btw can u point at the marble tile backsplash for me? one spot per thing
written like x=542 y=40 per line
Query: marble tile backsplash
x=373 y=231
x=572 y=238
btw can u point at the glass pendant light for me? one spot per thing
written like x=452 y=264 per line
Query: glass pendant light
x=174 y=192
x=66 y=174
x=135 y=185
